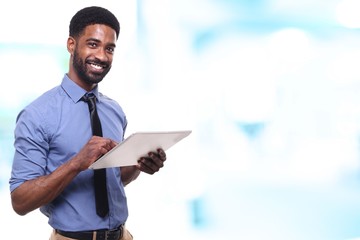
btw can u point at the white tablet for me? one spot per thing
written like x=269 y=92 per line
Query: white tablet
x=137 y=145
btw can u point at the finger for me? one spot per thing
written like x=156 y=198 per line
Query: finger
x=103 y=150
x=145 y=169
x=105 y=147
x=148 y=164
x=109 y=144
x=142 y=166
x=113 y=143
x=162 y=154
x=155 y=158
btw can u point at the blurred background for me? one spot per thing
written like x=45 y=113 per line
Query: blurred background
x=270 y=89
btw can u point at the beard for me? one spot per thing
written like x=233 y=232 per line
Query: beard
x=82 y=69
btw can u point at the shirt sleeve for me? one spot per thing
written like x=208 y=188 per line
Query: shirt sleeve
x=31 y=148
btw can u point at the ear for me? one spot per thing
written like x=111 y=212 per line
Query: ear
x=71 y=45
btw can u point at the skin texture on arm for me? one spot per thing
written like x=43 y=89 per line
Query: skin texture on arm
x=129 y=174
x=34 y=193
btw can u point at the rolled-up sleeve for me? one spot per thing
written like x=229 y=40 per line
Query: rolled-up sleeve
x=31 y=148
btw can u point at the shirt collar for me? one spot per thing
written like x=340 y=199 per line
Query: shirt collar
x=74 y=91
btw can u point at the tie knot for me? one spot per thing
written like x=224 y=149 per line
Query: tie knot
x=89 y=97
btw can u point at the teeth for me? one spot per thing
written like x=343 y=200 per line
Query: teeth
x=96 y=66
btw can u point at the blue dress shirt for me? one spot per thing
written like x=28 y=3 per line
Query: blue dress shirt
x=49 y=132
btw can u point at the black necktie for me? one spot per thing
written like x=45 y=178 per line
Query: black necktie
x=101 y=198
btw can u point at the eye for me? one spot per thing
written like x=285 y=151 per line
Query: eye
x=110 y=49
x=92 y=44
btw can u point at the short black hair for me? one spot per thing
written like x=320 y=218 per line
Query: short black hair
x=92 y=15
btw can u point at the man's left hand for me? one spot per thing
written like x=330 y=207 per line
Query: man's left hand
x=152 y=162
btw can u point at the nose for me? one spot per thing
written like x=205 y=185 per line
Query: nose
x=102 y=55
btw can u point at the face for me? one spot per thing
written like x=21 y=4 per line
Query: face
x=92 y=55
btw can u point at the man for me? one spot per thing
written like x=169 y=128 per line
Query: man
x=55 y=145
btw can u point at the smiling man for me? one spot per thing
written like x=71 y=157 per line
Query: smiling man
x=57 y=139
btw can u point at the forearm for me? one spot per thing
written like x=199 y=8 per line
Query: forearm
x=35 y=193
x=129 y=174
